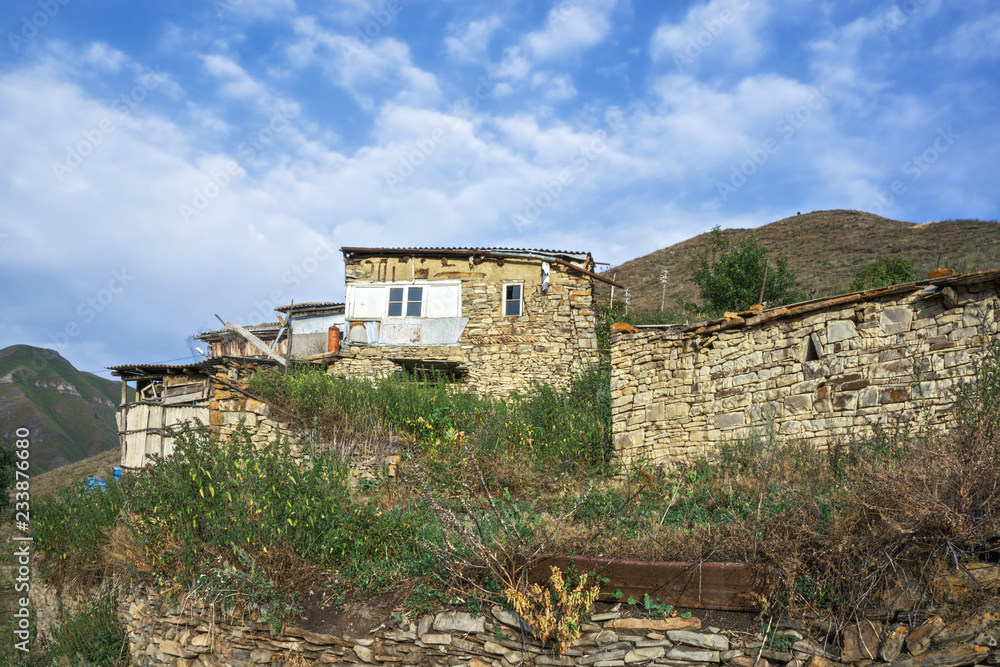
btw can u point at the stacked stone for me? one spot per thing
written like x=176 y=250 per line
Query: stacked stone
x=822 y=376
x=229 y=408
x=196 y=635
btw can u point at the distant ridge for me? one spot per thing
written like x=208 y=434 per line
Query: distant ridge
x=824 y=247
x=71 y=414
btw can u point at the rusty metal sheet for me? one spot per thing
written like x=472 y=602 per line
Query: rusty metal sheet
x=722 y=586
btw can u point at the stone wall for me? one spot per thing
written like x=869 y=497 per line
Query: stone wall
x=191 y=634
x=553 y=337
x=228 y=408
x=823 y=371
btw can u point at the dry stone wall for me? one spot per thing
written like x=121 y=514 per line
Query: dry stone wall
x=553 y=337
x=823 y=376
x=167 y=633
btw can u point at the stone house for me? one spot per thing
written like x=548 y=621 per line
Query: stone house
x=823 y=370
x=496 y=318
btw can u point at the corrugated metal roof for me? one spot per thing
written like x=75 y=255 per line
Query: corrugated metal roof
x=225 y=333
x=312 y=306
x=195 y=367
x=466 y=250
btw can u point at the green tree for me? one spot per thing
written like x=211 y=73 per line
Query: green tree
x=882 y=272
x=7 y=459
x=730 y=277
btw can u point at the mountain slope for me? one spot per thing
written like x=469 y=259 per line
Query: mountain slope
x=71 y=414
x=824 y=247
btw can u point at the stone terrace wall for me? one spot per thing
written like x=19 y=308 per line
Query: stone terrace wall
x=677 y=395
x=162 y=633
x=554 y=337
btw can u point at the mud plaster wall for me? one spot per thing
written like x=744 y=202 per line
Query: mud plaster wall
x=676 y=396
x=554 y=337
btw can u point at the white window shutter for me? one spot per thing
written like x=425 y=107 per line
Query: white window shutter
x=443 y=300
x=364 y=302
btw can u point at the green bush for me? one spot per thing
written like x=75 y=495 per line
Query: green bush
x=731 y=277
x=882 y=272
x=545 y=426
x=69 y=526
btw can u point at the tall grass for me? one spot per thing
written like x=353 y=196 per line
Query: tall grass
x=562 y=430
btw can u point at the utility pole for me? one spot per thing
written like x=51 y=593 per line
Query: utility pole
x=664 y=278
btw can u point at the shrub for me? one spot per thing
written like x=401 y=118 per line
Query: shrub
x=69 y=527
x=731 y=277
x=882 y=272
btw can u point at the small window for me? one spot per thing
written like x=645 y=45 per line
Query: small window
x=414 y=298
x=512 y=300
x=395 y=302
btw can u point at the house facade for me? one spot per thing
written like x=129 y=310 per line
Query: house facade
x=499 y=319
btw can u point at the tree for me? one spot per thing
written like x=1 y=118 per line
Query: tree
x=882 y=272
x=7 y=459
x=731 y=277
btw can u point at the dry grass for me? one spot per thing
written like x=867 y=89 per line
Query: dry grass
x=825 y=248
x=52 y=482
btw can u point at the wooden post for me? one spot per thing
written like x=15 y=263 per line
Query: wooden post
x=763 y=285
x=614 y=277
x=123 y=434
x=291 y=321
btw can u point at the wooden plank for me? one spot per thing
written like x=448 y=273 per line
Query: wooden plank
x=135 y=436
x=253 y=340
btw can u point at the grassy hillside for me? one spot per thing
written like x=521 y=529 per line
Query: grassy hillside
x=824 y=247
x=71 y=414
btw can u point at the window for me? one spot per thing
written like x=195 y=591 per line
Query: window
x=396 y=302
x=423 y=299
x=512 y=299
x=414 y=297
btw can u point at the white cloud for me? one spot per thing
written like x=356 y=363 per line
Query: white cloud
x=716 y=30
x=102 y=56
x=571 y=26
x=470 y=43
x=554 y=87
x=974 y=40
x=238 y=83
x=373 y=69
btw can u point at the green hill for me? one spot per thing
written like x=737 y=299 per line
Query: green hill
x=825 y=248
x=71 y=414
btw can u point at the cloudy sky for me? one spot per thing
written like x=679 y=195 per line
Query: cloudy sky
x=164 y=162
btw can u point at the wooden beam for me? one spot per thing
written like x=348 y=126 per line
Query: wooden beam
x=253 y=340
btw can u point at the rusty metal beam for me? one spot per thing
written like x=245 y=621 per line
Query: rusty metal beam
x=723 y=586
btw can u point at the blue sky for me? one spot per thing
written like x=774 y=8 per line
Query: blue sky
x=168 y=161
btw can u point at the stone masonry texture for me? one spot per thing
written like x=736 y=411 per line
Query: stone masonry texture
x=825 y=376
